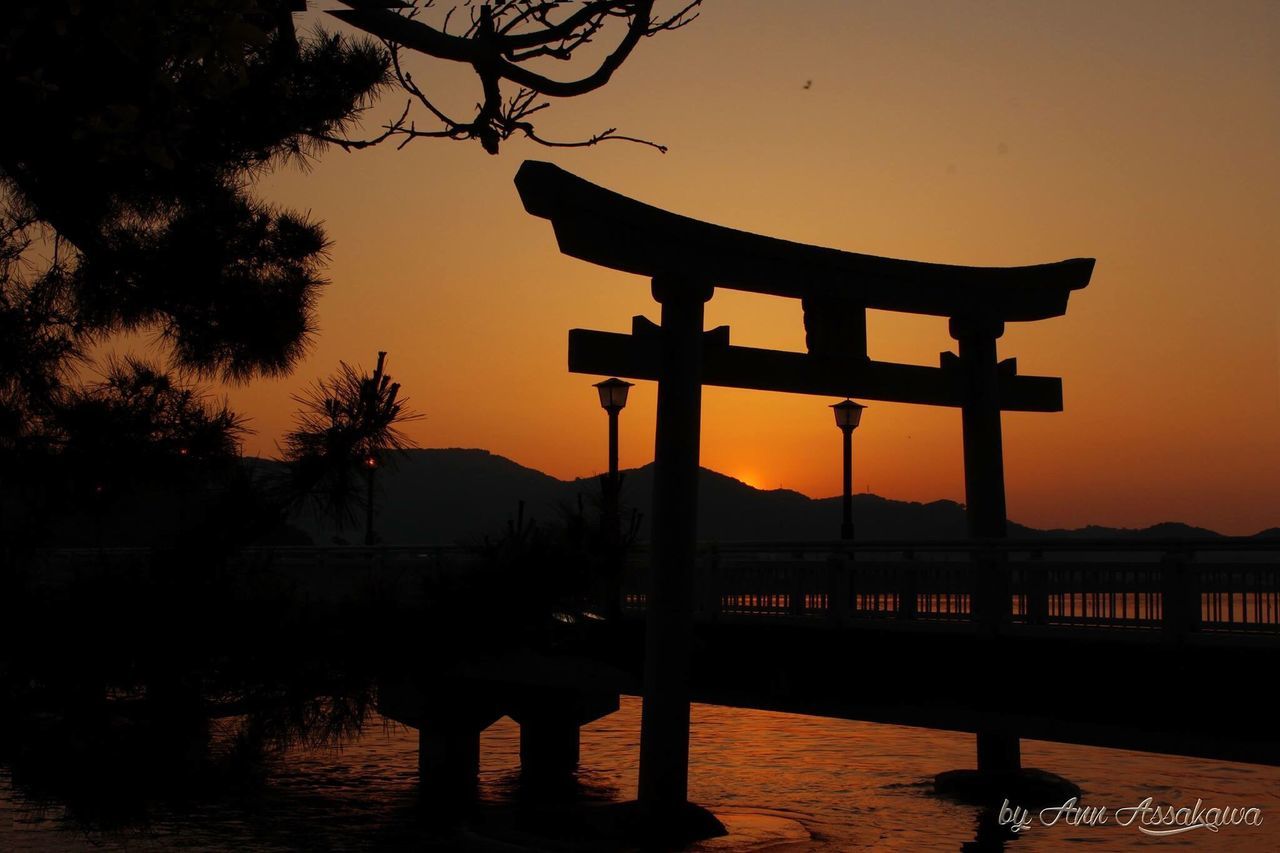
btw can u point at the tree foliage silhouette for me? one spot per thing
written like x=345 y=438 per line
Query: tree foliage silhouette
x=127 y=203
x=126 y=183
x=347 y=429
x=507 y=41
x=139 y=423
x=136 y=430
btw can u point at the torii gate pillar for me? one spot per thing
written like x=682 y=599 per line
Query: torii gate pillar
x=980 y=418
x=664 y=723
x=998 y=751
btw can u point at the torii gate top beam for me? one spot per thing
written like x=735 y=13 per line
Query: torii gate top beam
x=612 y=230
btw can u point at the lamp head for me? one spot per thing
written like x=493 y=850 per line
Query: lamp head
x=848 y=414
x=613 y=394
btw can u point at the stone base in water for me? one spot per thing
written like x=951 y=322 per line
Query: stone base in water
x=1028 y=787
x=747 y=831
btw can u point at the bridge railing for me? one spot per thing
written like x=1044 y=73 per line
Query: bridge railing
x=318 y=574
x=1178 y=587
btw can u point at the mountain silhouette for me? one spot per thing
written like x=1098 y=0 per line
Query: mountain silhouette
x=458 y=495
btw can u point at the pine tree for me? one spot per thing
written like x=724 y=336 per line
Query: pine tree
x=136 y=129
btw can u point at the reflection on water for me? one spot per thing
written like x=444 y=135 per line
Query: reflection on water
x=850 y=785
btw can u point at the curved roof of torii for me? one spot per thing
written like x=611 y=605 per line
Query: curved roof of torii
x=612 y=230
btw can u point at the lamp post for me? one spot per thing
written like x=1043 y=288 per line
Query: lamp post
x=370 y=463
x=613 y=399
x=848 y=414
x=184 y=453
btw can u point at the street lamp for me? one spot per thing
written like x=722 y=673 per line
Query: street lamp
x=370 y=463
x=613 y=399
x=848 y=415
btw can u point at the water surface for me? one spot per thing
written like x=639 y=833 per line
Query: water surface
x=847 y=785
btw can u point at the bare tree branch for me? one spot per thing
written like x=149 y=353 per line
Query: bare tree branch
x=406 y=81
x=502 y=37
x=610 y=135
x=390 y=130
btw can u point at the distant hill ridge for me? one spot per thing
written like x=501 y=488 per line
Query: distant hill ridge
x=460 y=495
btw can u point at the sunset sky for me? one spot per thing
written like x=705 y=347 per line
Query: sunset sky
x=1144 y=134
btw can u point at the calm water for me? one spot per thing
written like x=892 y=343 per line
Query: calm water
x=815 y=784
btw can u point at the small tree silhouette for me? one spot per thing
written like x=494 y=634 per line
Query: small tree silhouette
x=347 y=428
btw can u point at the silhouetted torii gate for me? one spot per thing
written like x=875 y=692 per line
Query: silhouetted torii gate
x=686 y=259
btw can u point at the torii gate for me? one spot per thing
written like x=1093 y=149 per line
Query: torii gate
x=686 y=260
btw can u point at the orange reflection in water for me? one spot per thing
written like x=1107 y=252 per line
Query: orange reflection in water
x=850 y=785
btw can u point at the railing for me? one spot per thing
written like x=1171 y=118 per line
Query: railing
x=1225 y=586
x=1214 y=586
x=318 y=574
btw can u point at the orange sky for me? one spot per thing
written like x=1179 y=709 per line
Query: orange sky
x=1145 y=134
